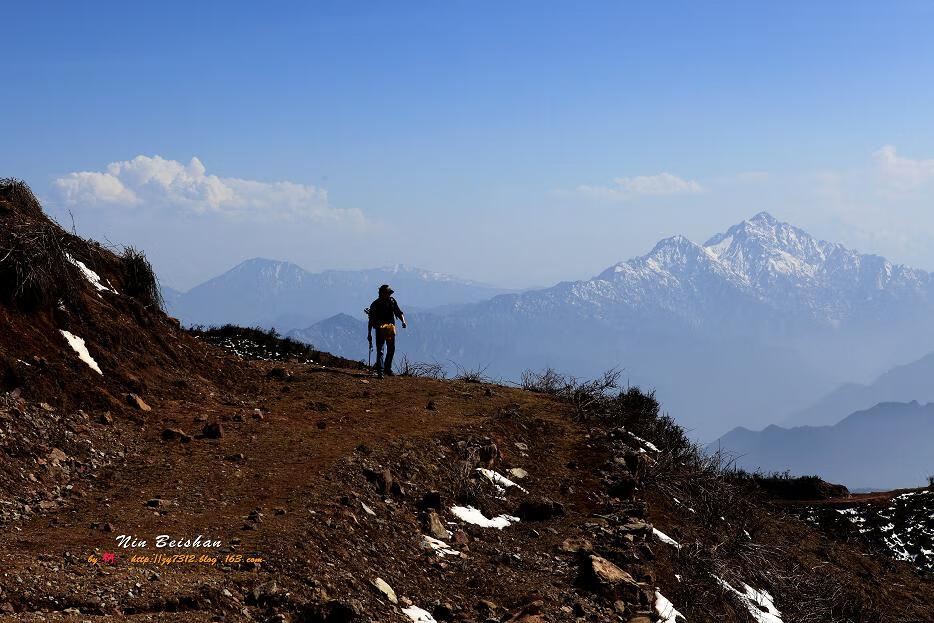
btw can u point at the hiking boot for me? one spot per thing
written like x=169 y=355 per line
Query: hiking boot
x=379 y=374
x=389 y=373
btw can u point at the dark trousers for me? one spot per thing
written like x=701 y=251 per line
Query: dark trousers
x=390 y=341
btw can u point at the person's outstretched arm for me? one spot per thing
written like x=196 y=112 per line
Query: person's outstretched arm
x=398 y=312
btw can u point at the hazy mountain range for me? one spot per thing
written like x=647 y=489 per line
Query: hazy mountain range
x=885 y=447
x=756 y=323
x=913 y=381
x=271 y=293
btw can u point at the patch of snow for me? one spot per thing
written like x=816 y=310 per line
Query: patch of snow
x=664 y=538
x=499 y=481
x=438 y=546
x=760 y=604
x=666 y=610
x=474 y=516
x=93 y=278
x=647 y=444
x=418 y=615
x=77 y=344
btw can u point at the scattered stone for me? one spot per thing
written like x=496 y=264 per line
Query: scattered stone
x=135 y=401
x=461 y=539
x=612 y=581
x=212 y=430
x=263 y=592
x=431 y=405
x=576 y=545
x=442 y=611
x=380 y=585
x=238 y=458
x=367 y=509
x=619 y=606
x=279 y=374
x=518 y=473
x=540 y=509
x=624 y=488
x=157 y=503
x=257 y=414
x=432 y=499
x=175 y=434
x=524 y=447
x=57 y=456
x=436 y=527
x=105 y=418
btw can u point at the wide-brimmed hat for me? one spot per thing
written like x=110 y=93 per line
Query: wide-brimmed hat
x=385 y=288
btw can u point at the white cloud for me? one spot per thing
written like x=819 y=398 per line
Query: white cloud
x=159 y=184
x=901 y=173
x=626 y=188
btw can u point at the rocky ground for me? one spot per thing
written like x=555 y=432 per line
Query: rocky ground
x=338 y=483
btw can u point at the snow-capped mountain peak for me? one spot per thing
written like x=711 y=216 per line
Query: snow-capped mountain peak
x=774 y=263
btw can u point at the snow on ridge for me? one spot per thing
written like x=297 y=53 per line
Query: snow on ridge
x=474 y=516
x=499 y=481
x=93 y=278
x=666 y=610
x=664 y=538
x=79 y=347
x=760 y=604
x=418 y=615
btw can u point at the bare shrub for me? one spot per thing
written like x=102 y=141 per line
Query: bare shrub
x=472 y=375
x=139 y=279
x=421 y=369
x=35 y=271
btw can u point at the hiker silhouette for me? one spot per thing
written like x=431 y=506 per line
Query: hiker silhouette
x=383 y=313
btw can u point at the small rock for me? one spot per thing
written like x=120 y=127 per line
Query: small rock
x=442 y=611
x=576 y=545
x=619 y=606
x=57 y=455
x=279 y=374
x=431 y=405
x=135 y=401
x=523 y=447
x=518 y=473
x=156 y=503
x=611 y=580
x=461 y=539
x=436 y=528
x=105 y=418
x=175 y=434
x=212 y=430
x=540 y=509
x=380 y=585
x=263 y=592
x=432 y=499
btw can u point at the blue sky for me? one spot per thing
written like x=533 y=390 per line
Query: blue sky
x=514 y=142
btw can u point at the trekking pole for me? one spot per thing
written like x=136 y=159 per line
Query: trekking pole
x=369 y=354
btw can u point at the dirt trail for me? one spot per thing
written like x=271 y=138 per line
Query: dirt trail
x=286 y=452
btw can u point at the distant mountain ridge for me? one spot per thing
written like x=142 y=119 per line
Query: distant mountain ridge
x=912 y=381
x=272 y=293
x=757 y=322
x=888 y=446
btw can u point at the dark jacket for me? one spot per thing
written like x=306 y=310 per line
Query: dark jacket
x=384 y=312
